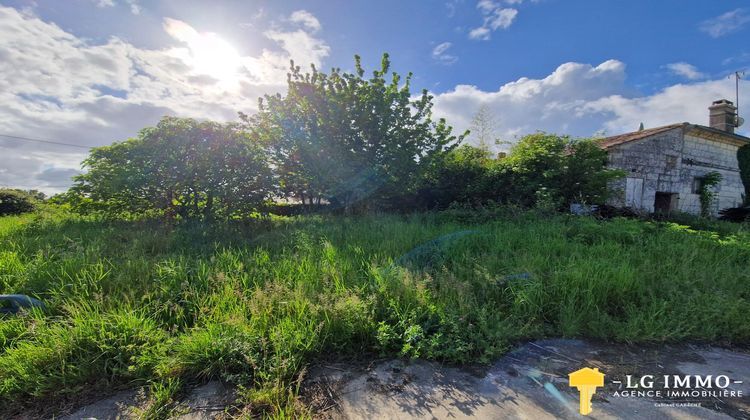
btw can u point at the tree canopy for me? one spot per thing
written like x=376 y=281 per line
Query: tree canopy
x=541 y=169
x=15 y=201
x=185 y=167
x=350 y=139
x=340 y=138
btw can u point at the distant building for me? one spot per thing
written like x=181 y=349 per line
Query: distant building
x=665 y=165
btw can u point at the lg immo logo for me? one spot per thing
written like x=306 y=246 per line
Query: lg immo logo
x=586 y=380
x=669 y=387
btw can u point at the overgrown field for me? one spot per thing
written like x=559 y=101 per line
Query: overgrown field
x=141 y=304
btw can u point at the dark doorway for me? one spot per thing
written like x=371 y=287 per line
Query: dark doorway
x=665 y=202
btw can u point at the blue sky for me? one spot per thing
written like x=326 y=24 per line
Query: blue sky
x=90 y=72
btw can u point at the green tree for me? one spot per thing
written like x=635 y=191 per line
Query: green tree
x=14 y=201
x=352 y=140
x=586 y=177
x=537 y=165
x=458 y=176
x=558 y=169
x=184 y=167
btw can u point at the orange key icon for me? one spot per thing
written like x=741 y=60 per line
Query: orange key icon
x=586 y=380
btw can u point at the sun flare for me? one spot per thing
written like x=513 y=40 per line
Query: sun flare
x=215 y=57
x=207 y=53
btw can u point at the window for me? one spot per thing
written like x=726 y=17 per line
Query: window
x=671 y=162
x=697 y=184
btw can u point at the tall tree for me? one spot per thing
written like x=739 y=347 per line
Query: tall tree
x=184 y=167
x=351 y=139
x=484 y=127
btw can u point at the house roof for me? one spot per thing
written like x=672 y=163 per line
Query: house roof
x=609 y=142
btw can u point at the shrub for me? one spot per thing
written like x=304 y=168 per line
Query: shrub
x=457 y=176
x=547 y=169
x=15 y=202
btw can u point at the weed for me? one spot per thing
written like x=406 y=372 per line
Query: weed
x=136 y=303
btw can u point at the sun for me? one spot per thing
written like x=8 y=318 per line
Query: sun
x=213 y=56
x=207 y=53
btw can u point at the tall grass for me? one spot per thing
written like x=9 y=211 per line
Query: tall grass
x=139 y=303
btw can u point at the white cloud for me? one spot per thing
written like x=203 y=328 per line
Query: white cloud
x=495 y=17
x=502 y=18
x=307 y=19
x=725 y=24
x=300 y=46
x=688 y=71
x=135 y=8
x=54 y=85
x=440 y=53
x=487 y=6
x=580 y=100
x=677 y=103
x=480 y=33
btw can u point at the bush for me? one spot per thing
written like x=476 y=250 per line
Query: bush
x=543 y=170
x=457 y=176
x=15 y=202
x=557 y=170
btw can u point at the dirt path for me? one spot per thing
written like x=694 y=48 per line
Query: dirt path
x=530 y=382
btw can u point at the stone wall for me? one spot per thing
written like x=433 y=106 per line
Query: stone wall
x=670 y=161
x=646 y=159
x=701 y=156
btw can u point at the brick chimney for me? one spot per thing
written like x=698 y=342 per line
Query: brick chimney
x=722 y=115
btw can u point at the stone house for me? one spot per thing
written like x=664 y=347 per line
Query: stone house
x=665 y=165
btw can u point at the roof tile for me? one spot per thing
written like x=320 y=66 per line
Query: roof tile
x=608 y=142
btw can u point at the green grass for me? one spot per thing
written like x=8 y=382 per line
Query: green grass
x=142 y=304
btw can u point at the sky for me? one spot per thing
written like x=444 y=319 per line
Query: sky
x=92 y=72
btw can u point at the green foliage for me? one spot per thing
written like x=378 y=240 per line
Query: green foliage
x=557 y=170
x=88 y=346
x=340 y=140
x=456 y=176
x=743 y=159
x=227 y=352
x=180 y=167
x=161 y=404
x=350 y=139
x=542 y=170
x=13 y=201
x=706 y=194
x=254 y=303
